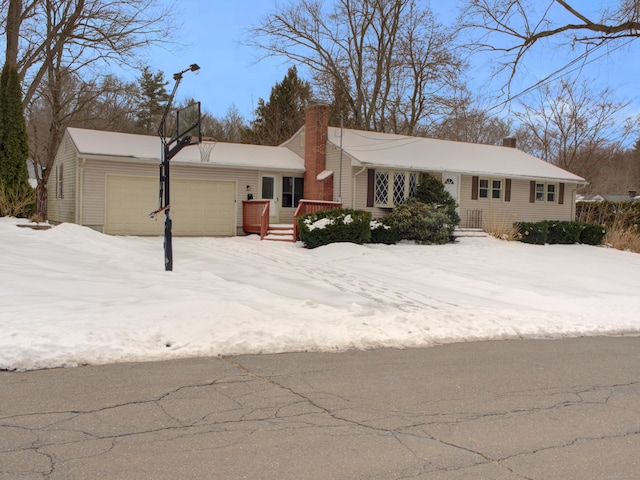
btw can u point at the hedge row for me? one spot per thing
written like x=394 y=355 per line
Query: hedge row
x=331 y=226
x=412 y=220
x=561 y=232
x=624 y=215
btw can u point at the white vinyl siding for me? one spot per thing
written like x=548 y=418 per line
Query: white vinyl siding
x=63 y=208
x=198 y=207
x=518 y=209
x=94 y=184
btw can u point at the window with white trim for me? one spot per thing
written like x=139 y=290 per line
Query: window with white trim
x=393 y=187
x=546 y=192
x=491 y=188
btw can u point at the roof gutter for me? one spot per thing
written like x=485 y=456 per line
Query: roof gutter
x=578 y=180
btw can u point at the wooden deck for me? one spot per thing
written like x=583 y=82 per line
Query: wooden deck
x=255 y=218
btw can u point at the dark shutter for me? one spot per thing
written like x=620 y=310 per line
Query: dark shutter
x=532 y=192
x=507 y=190
x=561 y=194
x=371 y=179
x=474 y=188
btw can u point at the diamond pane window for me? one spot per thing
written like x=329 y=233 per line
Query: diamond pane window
x=382 y=188
x=398 y=187
x=413 y=184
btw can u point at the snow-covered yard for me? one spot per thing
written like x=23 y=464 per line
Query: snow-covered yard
x=73 y=296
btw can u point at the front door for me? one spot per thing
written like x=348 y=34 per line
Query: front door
x=451 y=183
x=270 y=192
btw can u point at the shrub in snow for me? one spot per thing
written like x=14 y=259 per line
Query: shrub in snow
x=592 y=234
x=383 y=232
x=562 y=232
x=331 y=226
x=422 y=223
x=535 y=233
x=431 y=191
x=566 y=233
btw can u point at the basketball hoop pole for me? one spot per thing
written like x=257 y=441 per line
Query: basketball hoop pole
x=171 y=145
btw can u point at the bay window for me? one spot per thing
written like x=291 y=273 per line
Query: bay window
x=393 y=187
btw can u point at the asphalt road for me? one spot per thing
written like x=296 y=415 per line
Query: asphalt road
x=545 y=409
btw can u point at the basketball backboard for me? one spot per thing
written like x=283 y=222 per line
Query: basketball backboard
x=184 y=125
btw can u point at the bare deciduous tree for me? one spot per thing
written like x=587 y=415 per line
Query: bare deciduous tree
x=514 y=27
x=387 y=63
x=229 y=128
x=60 y=39
x=571 y=125
x=467 y=121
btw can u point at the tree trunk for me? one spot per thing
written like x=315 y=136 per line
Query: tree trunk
x=41 y=200
x=14 y=19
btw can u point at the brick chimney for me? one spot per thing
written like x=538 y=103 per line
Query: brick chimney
x=318 y=185
x=509 y=142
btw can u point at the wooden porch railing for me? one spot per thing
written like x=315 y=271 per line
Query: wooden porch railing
x=311 y=206
x=255 y=217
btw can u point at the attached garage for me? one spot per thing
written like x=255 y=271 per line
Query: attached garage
x=111 y=183
x=198 y=207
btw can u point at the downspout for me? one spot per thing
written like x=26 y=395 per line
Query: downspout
x=79 y=189
x=353 y=189
x=340 y=174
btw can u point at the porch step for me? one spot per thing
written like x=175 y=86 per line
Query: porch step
x=280 y=232
x=469 y=232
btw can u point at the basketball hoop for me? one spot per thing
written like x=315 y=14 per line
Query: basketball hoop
x=205 y=150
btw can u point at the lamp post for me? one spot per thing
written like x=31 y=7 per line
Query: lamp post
x=171 y=145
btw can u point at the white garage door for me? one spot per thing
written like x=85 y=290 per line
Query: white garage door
x=198 y=207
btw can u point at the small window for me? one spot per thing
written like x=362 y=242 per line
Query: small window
x=483 y=190
x=491 y=188
x=546 y=192
x=496 y=189
x=551 y=192
x=292 y=191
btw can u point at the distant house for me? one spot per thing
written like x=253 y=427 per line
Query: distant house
x=630 y=197
x=109 y=181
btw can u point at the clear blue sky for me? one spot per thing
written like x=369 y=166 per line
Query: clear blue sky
x=211 y=36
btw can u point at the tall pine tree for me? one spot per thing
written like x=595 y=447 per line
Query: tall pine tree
x=14 y=144
x=279 y=118
x=151 y=100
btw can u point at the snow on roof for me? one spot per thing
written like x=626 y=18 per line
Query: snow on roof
x=428 y=154
x=145 y=147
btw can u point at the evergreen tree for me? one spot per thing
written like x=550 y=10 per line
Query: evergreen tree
x=14 y=142
x=279 y=118
x=151 y=100
x=432 y=192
